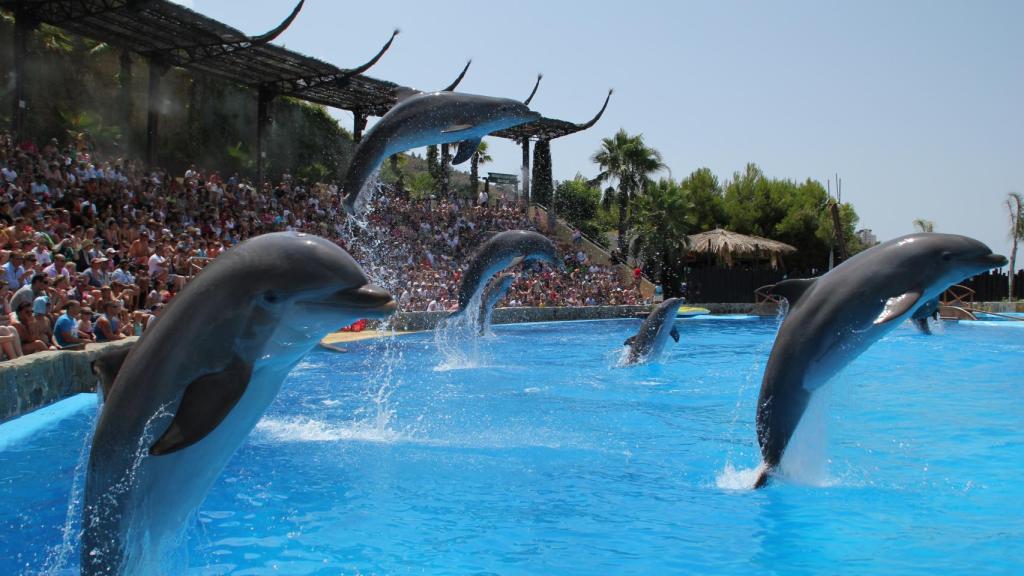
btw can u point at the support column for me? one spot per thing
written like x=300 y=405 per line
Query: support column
x=358 y=125
x=156 y=72
x=543 y=184
x=23 y=28
x=525 y=194
x=264 y=100
x=446 y=159
x=124 y=79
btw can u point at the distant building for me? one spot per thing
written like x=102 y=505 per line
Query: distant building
x=867 y=237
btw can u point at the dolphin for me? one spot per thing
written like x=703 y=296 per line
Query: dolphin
x=495 y=291
x=927 y=310
x=430 y=118
x=832 y=319
x=648 y=343
x=191 y=389
x=498 y=253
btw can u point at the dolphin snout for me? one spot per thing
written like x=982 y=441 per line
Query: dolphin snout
x=995 y=260
x=369 y=300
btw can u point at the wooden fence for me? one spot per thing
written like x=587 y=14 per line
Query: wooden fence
x=738 y=285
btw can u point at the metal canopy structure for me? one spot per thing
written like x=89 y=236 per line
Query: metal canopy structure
x=168 y=34
x=172 y=35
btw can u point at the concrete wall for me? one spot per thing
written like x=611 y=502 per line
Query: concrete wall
x=43 y=378
x=429 y=320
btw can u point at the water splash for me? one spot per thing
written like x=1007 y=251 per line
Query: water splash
x=732 y=478
x=458 y=341
x=312 y=430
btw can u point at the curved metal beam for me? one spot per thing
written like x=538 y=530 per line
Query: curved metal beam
x=599 y=113
x=372 y=61
x=264 y=38
x=534 y=92
x=451 y=87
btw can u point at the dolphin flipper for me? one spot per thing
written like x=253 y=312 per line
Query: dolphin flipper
x=898 y=306
x=674 y=334
x=456 y=128
x=629 y=341
x=204 y=405
x=466 y=150
x=107 y=365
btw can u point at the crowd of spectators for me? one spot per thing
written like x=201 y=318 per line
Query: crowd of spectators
x=91 y=249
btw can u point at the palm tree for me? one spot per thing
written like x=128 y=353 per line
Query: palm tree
x=923 y=225
x=1015 y=205
x=628 y=161
x=479 y=157
x=660 y=238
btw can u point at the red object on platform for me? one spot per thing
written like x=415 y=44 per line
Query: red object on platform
x=358 y=326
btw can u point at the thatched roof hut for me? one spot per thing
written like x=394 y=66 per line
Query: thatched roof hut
x=730 y=247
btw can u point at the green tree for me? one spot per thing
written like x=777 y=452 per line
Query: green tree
x=660 y=237
x=421 y=185
x=629 y=162
x=479 y=158
x=577 y=202
x=922 y=225
x=706 y=196
x=433 y=162
x=1015 y=207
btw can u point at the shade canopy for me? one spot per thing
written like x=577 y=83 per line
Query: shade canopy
x=732 y=246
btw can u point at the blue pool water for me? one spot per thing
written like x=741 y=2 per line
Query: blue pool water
x=547 y=459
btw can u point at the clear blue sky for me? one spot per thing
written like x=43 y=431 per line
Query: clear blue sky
x=917 y=105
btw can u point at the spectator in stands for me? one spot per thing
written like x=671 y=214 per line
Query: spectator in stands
x=65 y=331
x=108 y=325
x=23 y=324
x=29 y=292
x=14 y=271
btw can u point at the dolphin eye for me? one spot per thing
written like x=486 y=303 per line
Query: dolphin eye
x=271 y=297
x=947 y=256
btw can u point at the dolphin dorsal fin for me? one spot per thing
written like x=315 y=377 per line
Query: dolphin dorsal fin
x=204 y=405
x=107 y=366
x=466 y=150
x=792 y=289
x=898 y=306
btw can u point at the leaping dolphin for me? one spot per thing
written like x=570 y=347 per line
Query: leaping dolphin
x=834 y=318
x=648 y=343
x=494 y=292
x=431 y=118
x=191 y=389
x=498 y=253
x=927 y=310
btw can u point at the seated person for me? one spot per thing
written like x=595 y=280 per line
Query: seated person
x=108 y=325
x=29 y=344
x=42 y=326
x=65 y=330
x=10 y=342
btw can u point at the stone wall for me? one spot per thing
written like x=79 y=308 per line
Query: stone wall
x=34 y=381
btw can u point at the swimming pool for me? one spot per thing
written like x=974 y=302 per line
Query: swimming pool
x=544 y=458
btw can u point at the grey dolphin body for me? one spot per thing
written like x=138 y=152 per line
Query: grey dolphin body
x=499 y=252
x=654 y=333
x=927 y=310
x=834 y=318
x=431 y=118
x=191 y=389
x=494 y=292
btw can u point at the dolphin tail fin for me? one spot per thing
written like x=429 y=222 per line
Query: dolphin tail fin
x=466 y=150
x=762 y=477
x=791 y=289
